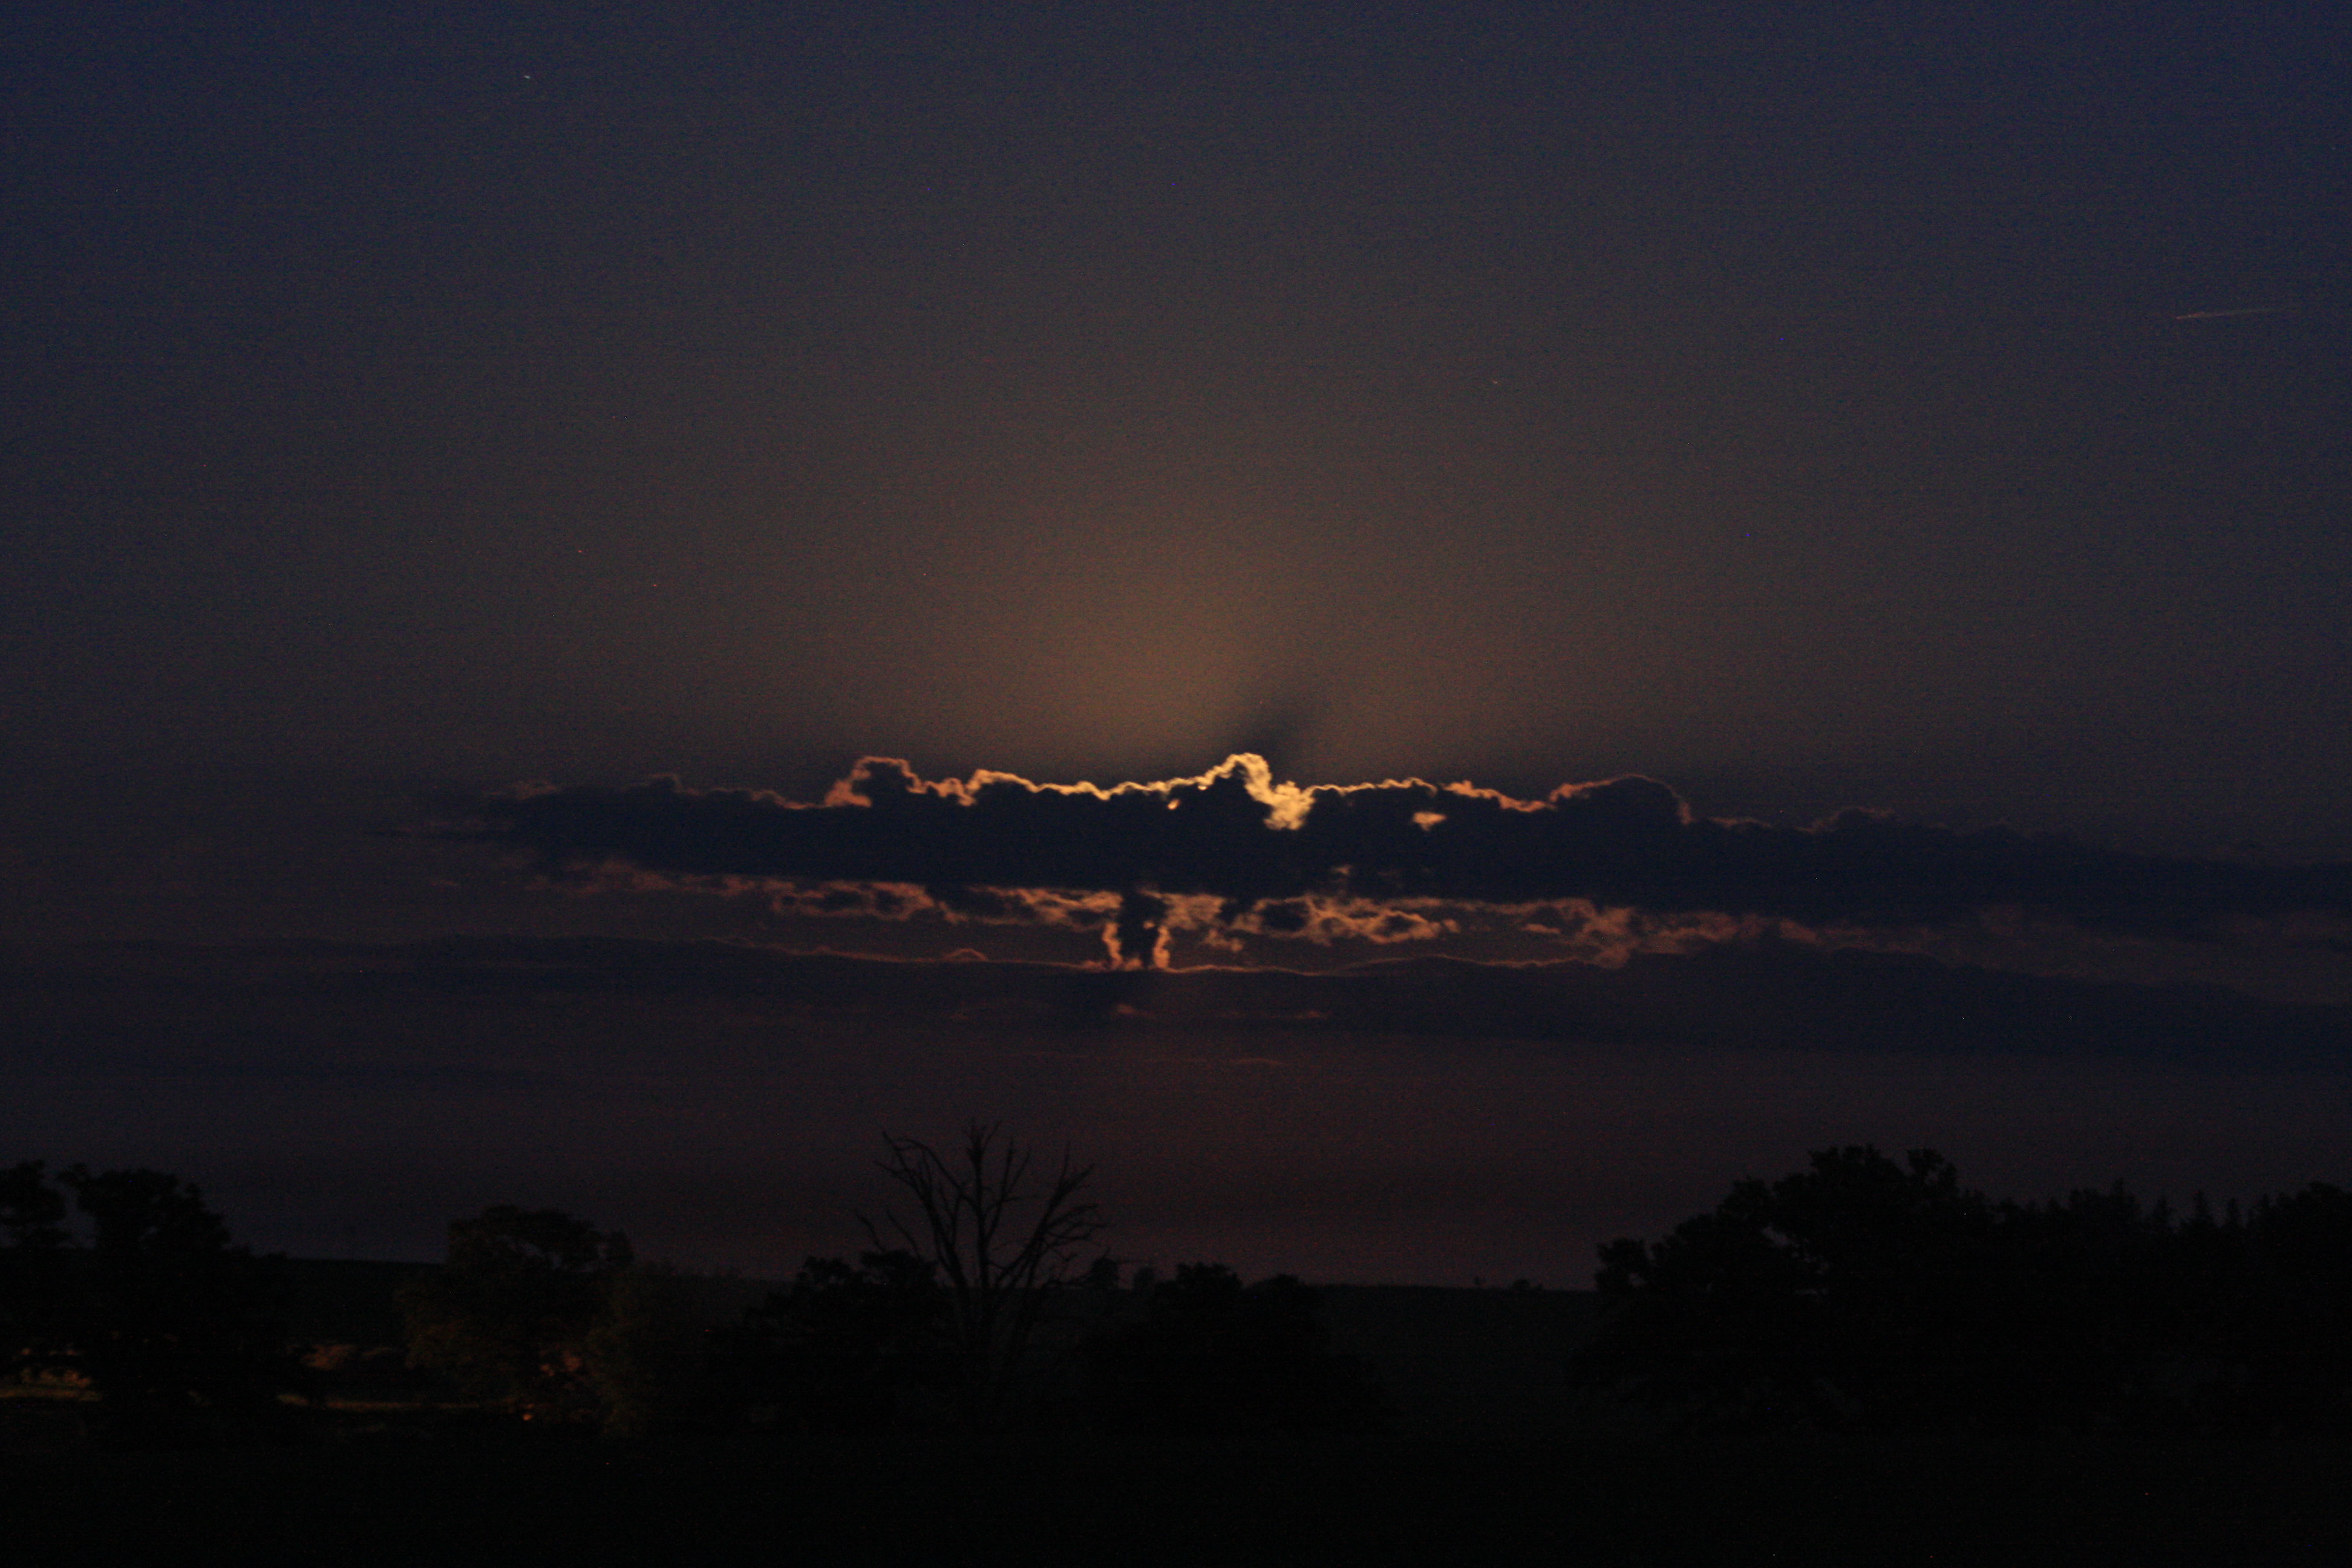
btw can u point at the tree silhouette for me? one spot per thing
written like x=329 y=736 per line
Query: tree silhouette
x=33 y=1266
x=178 y=1332
x=1855 y=1292
x=1862 y=1293
x=647 y=1351
x=2293 y=1358
x=1003 y=1238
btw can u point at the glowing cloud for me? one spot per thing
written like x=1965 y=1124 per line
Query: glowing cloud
x=1232 y=851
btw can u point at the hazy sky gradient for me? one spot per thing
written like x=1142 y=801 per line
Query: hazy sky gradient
x=1794 y=407
x=1934 y=408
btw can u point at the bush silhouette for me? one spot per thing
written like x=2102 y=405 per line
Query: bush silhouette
x=1212 y=1356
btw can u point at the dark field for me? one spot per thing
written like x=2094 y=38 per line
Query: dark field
x=1490 y=1458
x=1404 y=1497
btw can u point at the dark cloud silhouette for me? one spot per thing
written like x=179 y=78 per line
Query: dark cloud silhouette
x=1231 y=850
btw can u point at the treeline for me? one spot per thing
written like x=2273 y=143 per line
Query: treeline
x=1859 y=1294
x=124 y=1285
x=1863 y=1294
x=541 y=1313
x=983 y=1305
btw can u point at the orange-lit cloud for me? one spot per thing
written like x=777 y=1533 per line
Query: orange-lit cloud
x=1599 y=869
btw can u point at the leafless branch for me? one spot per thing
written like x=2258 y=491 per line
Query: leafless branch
x=971 y=1218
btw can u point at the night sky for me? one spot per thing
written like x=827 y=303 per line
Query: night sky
x=1902 y=447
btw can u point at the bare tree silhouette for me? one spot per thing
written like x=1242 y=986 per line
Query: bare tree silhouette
x=1004 y=1237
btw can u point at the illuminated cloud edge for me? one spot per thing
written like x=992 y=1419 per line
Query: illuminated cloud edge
x=1232 y=852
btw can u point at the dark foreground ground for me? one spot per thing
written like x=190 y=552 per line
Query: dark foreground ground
x=1491 y=1459
x=527 y=1498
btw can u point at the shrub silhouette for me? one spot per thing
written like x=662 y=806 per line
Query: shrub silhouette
x=846 y=1348
x=1213 y=1356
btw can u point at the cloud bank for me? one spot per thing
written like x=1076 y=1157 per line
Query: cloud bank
x=1232 y=852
